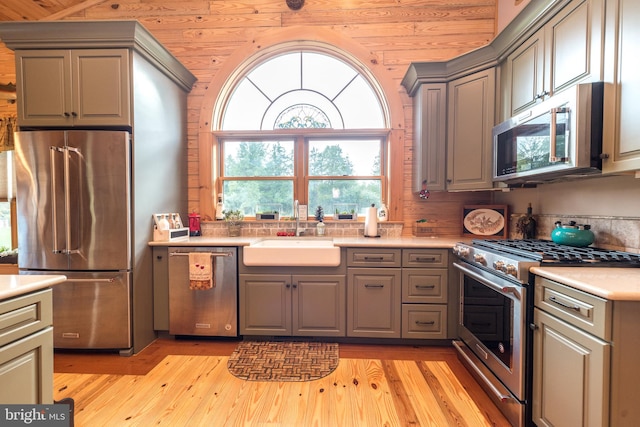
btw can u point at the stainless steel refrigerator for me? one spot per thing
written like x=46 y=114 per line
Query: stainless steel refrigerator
x=74 y=218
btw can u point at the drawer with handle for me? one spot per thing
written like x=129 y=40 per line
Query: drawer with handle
x=424 y=285
x=373 y=257
x=585 y=311
x=24 y=315
x=425 y=257
x=424 y=321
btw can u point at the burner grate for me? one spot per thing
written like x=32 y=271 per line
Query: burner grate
x=547 y=251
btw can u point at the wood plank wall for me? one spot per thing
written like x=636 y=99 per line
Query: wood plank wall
x=202 y=34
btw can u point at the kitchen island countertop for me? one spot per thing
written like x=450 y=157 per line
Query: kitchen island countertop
x=13 y=285
x=363 y=242
x=616 y=284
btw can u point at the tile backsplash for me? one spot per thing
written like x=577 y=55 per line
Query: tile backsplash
x=616 y=233
x=271 y=228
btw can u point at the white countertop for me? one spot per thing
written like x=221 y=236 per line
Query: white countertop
x=13 y=285
x=621 y=284
x=372 y=242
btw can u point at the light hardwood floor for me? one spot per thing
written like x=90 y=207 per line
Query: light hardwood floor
x=186 y=383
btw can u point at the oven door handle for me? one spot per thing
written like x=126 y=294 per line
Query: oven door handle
x=513 y=290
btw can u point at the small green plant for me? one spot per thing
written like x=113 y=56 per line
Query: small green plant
x=319 y=213
x=233 y=216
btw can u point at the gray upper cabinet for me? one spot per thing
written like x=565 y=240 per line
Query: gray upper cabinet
x=452 y=140
x=471 y=101
x=88 y=73
x=566 y=50
x=430 y=138
x=621 y=124
x=73 y=87
x=525 y=71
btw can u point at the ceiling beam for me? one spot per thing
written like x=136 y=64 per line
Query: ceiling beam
x=71 y=10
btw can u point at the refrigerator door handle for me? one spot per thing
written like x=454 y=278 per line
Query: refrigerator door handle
x=54 y=205
x=67 y=200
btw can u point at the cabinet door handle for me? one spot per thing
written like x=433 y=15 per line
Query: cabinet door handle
x=425 y=259
x=368 y=285
x=562 y=304
x=430 y=323
x=67 y=114
x=425 y=286
x=373 y=258
x=74 y=114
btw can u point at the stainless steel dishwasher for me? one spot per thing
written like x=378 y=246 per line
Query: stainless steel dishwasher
x=211 y=312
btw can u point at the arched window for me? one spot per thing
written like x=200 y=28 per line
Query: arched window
x=303 y=125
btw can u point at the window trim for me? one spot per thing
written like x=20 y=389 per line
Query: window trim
x=300 y=137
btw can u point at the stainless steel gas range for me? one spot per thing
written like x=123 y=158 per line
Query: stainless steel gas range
x=496 y=309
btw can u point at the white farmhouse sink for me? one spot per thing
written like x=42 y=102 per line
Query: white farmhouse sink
x=285 y=252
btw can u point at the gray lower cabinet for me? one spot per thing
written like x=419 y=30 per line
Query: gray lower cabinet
x=585 y=363
x=374 y=301
x=398 y=293
x=570 y=366
x=425 y=293
x=26 y=349
x=292 y=305
x=160 y=288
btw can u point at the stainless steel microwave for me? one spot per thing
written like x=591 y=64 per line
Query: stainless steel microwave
x=558 y=138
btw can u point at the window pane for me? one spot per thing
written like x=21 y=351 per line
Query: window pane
x=325 y=74
x=337 y=157
x=254 y=196
x=278 y=75
x=360 y=106
x=327 y=83
x=340 y=194
x=258 y=158
x=245 y=109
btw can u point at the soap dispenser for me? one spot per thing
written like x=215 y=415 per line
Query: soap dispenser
x=382 y=213
x=219 y=209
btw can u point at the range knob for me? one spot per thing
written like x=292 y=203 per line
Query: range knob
x=479 y=258
x=461 y=251
x=498 y=265
x=511 y=270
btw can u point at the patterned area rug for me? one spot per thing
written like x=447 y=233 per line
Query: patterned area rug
x=283 y=360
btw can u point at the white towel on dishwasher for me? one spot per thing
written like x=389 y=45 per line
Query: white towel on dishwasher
x=201 y=275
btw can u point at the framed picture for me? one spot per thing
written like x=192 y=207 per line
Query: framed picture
x=485 y=221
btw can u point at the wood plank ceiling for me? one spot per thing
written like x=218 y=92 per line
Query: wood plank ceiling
x=35 y=10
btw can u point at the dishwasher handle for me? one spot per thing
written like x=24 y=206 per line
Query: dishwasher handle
x=213 y=254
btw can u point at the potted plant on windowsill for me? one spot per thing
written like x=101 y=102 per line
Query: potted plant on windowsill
x=320 y=227
x=348 y=212
x=268 y=215
x=233 y=219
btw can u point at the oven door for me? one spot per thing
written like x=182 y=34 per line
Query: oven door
x=492 y=324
